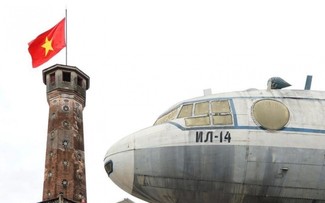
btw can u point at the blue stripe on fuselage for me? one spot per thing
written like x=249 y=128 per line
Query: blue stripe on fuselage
x=236 y=127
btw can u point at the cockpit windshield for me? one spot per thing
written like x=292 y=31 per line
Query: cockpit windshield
x=201 y=113
x=171 y=115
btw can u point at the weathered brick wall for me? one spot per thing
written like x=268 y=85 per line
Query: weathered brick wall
x=65 y=164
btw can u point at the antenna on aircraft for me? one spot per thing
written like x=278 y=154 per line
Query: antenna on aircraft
x=308 y=82
x=277 y=83
x=207 y=92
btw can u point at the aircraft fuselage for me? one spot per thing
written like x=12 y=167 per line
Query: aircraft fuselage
x=249 y=146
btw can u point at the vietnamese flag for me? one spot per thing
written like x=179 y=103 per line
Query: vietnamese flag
x=47 y=44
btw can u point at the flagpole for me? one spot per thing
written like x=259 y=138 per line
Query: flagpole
x=66 y=36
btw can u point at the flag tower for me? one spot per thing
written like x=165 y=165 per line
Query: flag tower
x=65 y=176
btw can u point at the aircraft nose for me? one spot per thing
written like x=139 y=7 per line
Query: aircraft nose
x=119 y=163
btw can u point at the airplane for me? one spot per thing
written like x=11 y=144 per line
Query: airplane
x=247 y=146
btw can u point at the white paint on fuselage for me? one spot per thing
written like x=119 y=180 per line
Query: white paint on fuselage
x=305 y=130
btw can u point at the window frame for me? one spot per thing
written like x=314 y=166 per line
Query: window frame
x=200 y=116
x=211 y=115
x=170 y=115
x=52 y=78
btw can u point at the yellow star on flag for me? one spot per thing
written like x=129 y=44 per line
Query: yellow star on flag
x=47 y=46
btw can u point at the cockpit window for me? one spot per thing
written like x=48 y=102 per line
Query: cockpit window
x=197 y=121
x=201 y=108
x=201 y=115
x=220 y=106
x=167 y=117
x=215 y=112
x=221 y=114
x=186 y=111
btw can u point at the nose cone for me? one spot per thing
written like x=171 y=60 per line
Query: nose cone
x=119 y=163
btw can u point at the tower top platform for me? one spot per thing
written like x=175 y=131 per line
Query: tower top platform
x=55 y=67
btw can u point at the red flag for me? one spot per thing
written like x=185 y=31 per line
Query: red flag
x=47 y=44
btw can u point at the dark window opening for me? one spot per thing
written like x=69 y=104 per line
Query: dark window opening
x=65 y=108
x=65 y=124
x=79 y=157
x=80 y=196
x=64 y=183
x=65 y=143
x=66 y=76
x=109 y=167
x=52 y=78
x=79 y=81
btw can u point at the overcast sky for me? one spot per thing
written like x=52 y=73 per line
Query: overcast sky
x=142 y=56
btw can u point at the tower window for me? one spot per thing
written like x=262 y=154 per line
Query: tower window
x=64 y=183
x=65 y=124
x=79 y=81
x=65 y=108
x=66 y=77
x=65 y=143
x=52 y=78
x=65 y=163
x=80 y=196
x=79 y=176
x=79 y=157
x=52 y=135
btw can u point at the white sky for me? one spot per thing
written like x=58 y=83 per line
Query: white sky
x=142 y=57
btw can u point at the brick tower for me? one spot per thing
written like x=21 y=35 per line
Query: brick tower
x=65 y=176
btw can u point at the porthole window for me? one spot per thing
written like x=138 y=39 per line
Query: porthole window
x=270 y=114
x=65 y=163
x=79 y=176
x=52 y=135
x=65 y=108
x=64 y=183
x=79 y=157
x=80 y=196
x=65 y=124
x=65 y=143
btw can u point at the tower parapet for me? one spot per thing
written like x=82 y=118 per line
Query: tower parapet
x=66 y=79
